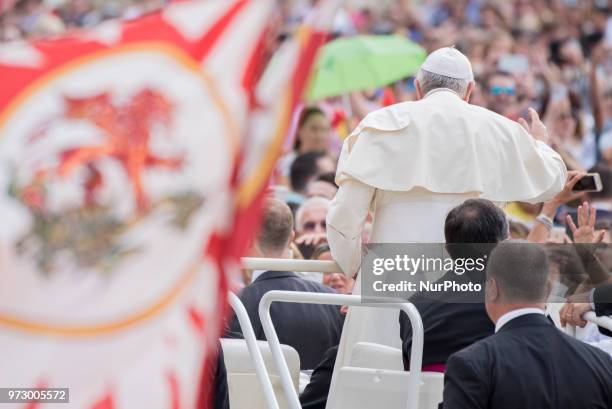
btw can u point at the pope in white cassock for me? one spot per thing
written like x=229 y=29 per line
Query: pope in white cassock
x=412 y=162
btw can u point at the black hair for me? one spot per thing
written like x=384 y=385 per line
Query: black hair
x=473 y=228
x=476 y=221
x=329 y=177
x=303 y=169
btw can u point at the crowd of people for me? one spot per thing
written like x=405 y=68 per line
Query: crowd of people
x=553 y=56
x=43 y=18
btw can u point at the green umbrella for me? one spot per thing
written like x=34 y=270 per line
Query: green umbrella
x=363 y=62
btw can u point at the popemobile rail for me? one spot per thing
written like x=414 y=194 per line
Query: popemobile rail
x=317 y=266
x=334 y=299
x=320 y=266
x=298 y=265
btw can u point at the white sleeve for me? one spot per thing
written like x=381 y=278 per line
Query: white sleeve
x=345 y=220
x=549 y=155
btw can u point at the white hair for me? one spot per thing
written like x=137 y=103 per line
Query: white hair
x=429 y=81
x=310 y=202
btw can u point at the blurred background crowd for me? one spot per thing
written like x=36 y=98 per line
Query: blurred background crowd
x=553 y=55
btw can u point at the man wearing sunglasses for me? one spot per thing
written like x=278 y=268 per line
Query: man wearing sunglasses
x=501 y=92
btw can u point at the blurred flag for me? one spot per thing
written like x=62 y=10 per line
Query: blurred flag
x=340 y=123
x=275 y=99
x=133 y=160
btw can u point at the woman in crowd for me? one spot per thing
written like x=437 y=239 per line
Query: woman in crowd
x=312 y=135
x=565 y=123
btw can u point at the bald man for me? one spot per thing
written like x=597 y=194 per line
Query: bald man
x=412 y=162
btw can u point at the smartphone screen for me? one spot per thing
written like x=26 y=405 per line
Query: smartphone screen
x=587 y=183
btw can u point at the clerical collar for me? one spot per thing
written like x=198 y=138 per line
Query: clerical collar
x=433 y=91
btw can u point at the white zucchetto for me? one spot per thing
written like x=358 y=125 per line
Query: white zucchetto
x=450 y=62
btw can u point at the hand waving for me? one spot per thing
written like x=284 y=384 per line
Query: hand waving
x=585 y=232
x=537 y=129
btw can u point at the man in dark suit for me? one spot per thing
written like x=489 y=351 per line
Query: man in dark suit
x=528 y=363
x=309 y=328
x=453 y=322
x=316 y=392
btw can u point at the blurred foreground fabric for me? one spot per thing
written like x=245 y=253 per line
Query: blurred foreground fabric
x=127 y=191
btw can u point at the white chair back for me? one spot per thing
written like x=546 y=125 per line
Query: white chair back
x=367 y=388
x=399 y=384
x=245 y=390
x=376 y=356
x=383 y=357
x=432 y=386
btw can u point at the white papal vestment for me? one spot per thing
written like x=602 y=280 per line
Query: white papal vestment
x=410 y=164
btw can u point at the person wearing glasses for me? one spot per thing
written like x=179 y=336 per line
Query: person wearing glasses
x=501 y=92
x=310 y=223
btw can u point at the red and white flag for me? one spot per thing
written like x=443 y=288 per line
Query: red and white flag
x=133 y=158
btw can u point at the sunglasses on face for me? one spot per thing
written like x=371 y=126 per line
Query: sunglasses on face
x=309 y=226
x=498 y=90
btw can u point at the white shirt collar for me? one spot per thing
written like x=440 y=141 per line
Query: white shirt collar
x=435 y=90
x=510 y=315
x=256 y=275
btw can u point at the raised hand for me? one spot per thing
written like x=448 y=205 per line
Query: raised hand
x=567 y=195
x=585 y=232
x=537 y=128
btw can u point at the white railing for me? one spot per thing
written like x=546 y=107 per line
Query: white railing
x=339 y=299
x=295 y=265
x=319 y=266
x=254 y=352
x=604 y=322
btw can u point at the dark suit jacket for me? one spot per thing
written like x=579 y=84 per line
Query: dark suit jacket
x=602 y=298
x=449 y=323
x=309 y=328
x=315 y=394
x=448 y=328
x=529 y=363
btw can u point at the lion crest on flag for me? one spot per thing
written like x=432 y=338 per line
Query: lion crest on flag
x=88 y=232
